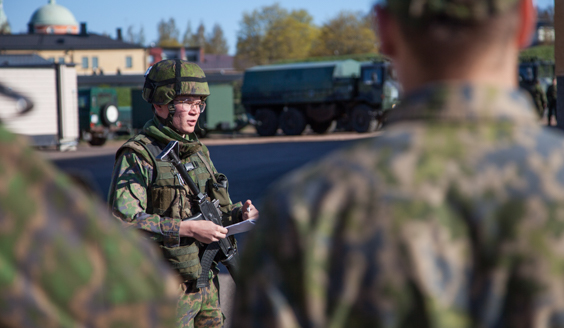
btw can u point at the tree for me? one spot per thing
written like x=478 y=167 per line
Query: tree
x=187 y=38
x=290 y=37
x=348 y=33
x=137 y=38
x=272 y=33
x=168 y=33
x=199 y=38
x=216 y=42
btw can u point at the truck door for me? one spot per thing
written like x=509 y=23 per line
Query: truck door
x=370 y=84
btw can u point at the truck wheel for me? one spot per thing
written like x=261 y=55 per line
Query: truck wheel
x=292 y=122
x=363 y=120
x=97 y=141
x=267 y=122
x=322 y=127
x=109 y=114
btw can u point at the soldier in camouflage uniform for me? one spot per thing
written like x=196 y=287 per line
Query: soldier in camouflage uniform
x=551 y=95
x=453 y=217
x=148 y=195
x=539 y=97
x=64 y=262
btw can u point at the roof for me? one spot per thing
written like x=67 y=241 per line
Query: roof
x=217 y=62
x=342 y=68
x=298 y=65
x=53 y=14
x=23 y=60
x=89 y=41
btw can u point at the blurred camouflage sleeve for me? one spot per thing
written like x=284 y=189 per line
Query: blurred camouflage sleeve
x=128 y=199
x=64 y=261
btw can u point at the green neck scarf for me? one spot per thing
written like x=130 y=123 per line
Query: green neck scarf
x=188 y=145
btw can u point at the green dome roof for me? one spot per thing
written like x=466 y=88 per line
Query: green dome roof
x=53 y=14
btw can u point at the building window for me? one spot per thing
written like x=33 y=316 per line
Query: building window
x=128 y=62
x=61 y=60
x=94 y=62
x=51 y=59
x=84 y=62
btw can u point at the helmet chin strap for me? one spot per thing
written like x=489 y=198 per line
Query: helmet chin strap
x=168 y=120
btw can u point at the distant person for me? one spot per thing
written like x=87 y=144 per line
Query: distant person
x=539 y=98
x=64 y=262
x=148 y=194
x=453 y=217
x=551 y=95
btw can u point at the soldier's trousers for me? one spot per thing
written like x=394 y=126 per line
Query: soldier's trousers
x=199 y=307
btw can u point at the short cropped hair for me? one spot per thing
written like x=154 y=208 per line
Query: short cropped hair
x=442 y=42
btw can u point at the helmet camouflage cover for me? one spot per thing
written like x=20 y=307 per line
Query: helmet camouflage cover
x=453 y=10
x=173 y=77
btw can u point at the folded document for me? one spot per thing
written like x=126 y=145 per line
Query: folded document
x=242 y=226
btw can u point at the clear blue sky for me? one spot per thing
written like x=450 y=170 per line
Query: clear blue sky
x=105 y=16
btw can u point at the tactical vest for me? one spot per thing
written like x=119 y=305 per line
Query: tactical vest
x=167 y=197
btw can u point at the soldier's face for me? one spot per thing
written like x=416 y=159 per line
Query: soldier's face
x=187 y=113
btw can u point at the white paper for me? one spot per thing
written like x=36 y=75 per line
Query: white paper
x=241 y=227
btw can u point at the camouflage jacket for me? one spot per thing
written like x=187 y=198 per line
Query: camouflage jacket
x=453 y=217
x=539 y=97
x=64 y=262
x=132 y=176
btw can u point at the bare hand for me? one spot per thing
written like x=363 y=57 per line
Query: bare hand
x=249 y=211
x=203 y=231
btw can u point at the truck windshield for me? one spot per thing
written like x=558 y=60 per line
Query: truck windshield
x=372 y=75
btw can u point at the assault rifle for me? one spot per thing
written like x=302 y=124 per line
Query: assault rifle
x=223 y=250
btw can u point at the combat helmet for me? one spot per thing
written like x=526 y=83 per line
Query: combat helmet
x=173 y=77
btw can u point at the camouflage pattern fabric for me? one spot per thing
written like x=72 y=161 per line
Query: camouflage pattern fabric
x=64 y=262
x=539 y=98
x=453 y=217
x=454 y=10
x=200 y=307
x=165 y=70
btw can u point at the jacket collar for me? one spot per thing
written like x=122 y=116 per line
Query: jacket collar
x=465 y=102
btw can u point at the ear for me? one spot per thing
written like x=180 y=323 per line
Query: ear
x=161 y=110
x=385 y=23
x=528 y=20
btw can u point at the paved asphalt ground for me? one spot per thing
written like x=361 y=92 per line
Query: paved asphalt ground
x=251 y=163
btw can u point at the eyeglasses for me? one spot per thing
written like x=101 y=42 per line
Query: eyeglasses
x=201 y=106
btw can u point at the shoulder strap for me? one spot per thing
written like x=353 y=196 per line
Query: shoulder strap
x=207 y=165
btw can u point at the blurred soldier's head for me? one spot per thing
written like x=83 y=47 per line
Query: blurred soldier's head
x=432 y=40
x=178 y=90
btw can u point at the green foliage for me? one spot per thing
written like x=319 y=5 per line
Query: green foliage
x=543 y=52
x=216 y=42
x=348 y=33
x=213 y=43
x=272 y=33
x=168 y=33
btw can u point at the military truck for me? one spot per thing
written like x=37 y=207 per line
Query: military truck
x=354 y=94
x=99 y=115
